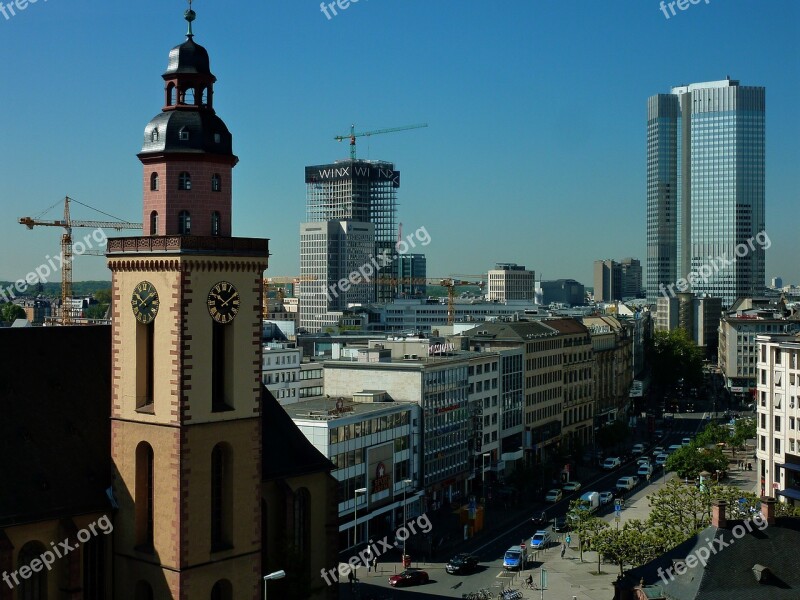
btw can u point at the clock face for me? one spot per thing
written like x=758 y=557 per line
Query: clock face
x=223 y=302
x=144 y=302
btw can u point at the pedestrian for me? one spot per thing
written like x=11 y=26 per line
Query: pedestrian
x=351 y=578
x=563 y=550
x=568 y=540
x=375 y=563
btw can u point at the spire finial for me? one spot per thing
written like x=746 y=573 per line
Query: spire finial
x=190 y=16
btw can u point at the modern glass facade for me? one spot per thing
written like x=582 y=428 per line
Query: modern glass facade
x=716 y=164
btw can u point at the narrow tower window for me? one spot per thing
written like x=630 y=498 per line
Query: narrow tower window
x=154 y=223
x=184 y=223
x=154 y=135
x=222 y=590
x=154 y=182
x=216 y=223
x=221 y=497
x=35 y=587
x=145 y=349
x=183 y=134
x=171 y=94
x=143 y=501
x=216 y=183
x=221 y=349
x=184 y=181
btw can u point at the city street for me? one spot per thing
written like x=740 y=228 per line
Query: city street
x=568 y=577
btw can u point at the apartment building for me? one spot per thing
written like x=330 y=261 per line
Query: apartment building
x=778 y=416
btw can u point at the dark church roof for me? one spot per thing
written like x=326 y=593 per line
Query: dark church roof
x=286 y=451
x=204 y=133
x=55 y=441
x=188 y=58
x=735 y=571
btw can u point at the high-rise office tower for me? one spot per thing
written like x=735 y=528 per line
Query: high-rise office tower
x=348 y=239
x=607 y=280
x=705 y=189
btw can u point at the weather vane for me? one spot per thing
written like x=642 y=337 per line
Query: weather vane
x=190 y=16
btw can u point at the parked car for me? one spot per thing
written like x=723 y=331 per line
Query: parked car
x=626 y=484
x=572 y=486
x=409 y=577
x=553 y=496
x=561 y=525
x=611 y=463
x=661 y=459
x=645 y=460
x=673 y=448
x=606 y=497
x=462 y=563
x=686 y=441
x=637 y=449
x=514 y=558
x=540 y=539
x=658 y=450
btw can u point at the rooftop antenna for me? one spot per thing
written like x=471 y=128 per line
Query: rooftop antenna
x=190 y=16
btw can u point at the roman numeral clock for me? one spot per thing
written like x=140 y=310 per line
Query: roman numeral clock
x=223 y=302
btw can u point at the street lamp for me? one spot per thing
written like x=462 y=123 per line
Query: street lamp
x=275 y=575
x=483 y=471
x=406 y=483
x=355 y=513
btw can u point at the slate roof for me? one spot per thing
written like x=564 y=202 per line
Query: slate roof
x=55 y=440
x=728 y=574
x=286 y=451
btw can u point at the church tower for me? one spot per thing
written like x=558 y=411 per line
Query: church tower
x=186 y=359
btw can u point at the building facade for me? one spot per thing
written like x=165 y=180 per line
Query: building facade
x=567 y=292
x=778 y=416
x=607 y=280
x=509 y=281
x=705 y=189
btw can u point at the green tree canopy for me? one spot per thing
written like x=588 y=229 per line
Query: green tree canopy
x=10 y=312
x=674 y=355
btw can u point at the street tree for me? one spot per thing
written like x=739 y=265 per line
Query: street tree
x=674 y=355
x=583 y=522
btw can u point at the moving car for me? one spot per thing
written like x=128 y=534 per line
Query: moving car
x=645 y=460
x=514 y=557
x=686 y=441
x=540 y=539
x=658 y=450
x=541 y=520
x=645 y=470
x=661 y=459
x=612 y=462
x=626 y=483
x=462 y=563
x=592 y=501
x=673 y=448
x=572 y=486
x=637 y=449
x=606 y=497
x=553 y=496
x=409 y=577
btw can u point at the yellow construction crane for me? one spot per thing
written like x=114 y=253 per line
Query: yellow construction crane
x=66 y=246
x=353 y=135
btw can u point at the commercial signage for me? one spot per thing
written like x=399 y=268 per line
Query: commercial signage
x=440 y=348
x=379 y=472
x=341 y=171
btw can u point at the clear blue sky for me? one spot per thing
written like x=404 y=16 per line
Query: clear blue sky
x=535 y=151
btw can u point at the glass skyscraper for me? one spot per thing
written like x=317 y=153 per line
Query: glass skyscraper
x=705 y=190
